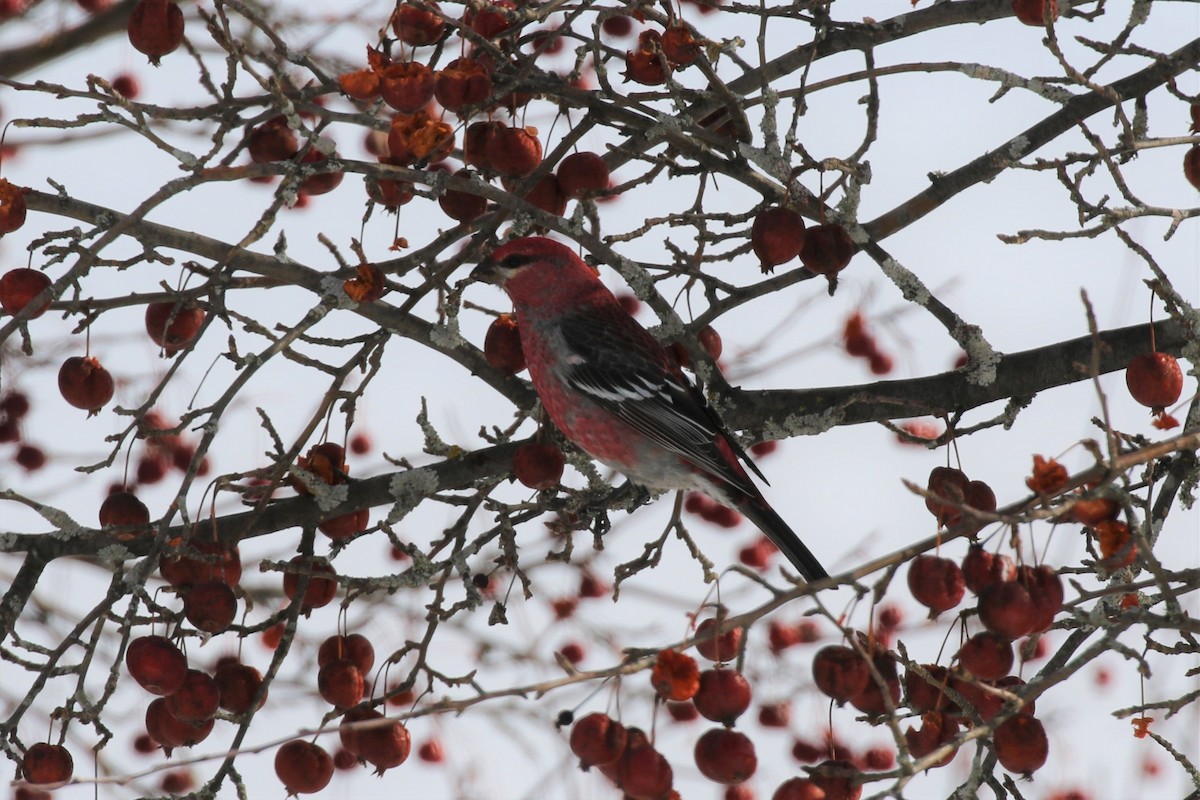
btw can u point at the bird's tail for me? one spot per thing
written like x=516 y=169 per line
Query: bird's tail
x=778 y=531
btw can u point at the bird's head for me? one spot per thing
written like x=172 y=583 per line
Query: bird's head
x=535 y=269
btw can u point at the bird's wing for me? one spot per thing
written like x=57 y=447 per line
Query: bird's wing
x=622 y=368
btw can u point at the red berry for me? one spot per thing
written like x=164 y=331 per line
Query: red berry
x=321 y=590
x=125 y=85
x=30 y=458
x=1021 y=744
x=197 y=700
x=19 y=286
x=936 y=730
x=597 y=739
x=514 y=152
x=156 y=28
x=872 y=699
x=1155 y=380
x=156 y=664
x=725 y=756
x=827 y=249
x=922 y=695
x=124 y=508
x=1033 y=12
x=986 y=655
x=981 y=568
x=723 y=696
x=679 y=46
x=170 y=731
x=582 y=173
x=47 y=763
x=839 y=672
x=538 y=466
x=431 y=752
x=12 y=210
x=354 y=646
x=643 y=773
x=85 y=384
x=460 y=205
x=1191 y=164
x=1007 y=609
x=717 y=647
x=418 y=23
x=936 y=583
x=271 y=141
x=172 y=326
x=461 y=84
x=836 y=778
x=406 y=86
x=950 y=487
x=237 y=684
x=303 y=767
x=340 y=683
x=776 y=236
x=211 y=606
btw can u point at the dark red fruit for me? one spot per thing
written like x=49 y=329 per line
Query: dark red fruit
x=202 y=560
x=172 y=326
x=798 y=789
x=950 y=487
x=271 y=141
x=124 y=508
x=320 y=182
x=1191 y=164
x=354 y=646
x=85 y=384
x=237 y=684
x=156 y=664
x=461 y=84
x=836 y=779
x=936 y=730
x=12 y=209
x=723 y=696
x=1033 y=12
x=321 y=590
x=873 y=700
x=211 y=606
x=1155 y=380
x=1021 y=744
x=538 y=466
x=197 y=700
x=981 y=568
x=717 y=647
x=777 y=236
x=725 y=756
x=986 y=655
x=922 y=695
x=643 y=773
x=460 y=205
x=384 y=747
x=1007 y=609
x=47 y=763
x=303 y=767
x=839 y=672
x=406 y=86
x=502 y=345
x=340 y=683
x=827 y=249
x=936 y=583
x=514 y=152
x=170 y=731
x=582 y=173
x=156 y=28
x=418 y=23
x=19 y=286
x=1046 y=591
x=597 y=739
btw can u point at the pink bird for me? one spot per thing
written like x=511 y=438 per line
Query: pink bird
x=616 y=392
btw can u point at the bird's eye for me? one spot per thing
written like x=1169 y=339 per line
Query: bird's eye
x=513 y=261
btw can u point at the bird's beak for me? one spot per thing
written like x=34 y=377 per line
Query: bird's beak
x=487 y=271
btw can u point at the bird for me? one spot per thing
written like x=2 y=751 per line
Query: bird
x=617 y=393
